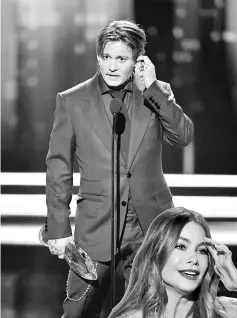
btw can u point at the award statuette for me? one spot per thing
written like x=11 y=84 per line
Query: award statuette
x=78 y=260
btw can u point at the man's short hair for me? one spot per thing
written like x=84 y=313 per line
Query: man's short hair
x=125 y=31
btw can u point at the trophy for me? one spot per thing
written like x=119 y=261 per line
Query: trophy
x=77 y=259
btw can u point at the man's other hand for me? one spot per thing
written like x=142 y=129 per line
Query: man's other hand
x=57 y=246
x=144 y=71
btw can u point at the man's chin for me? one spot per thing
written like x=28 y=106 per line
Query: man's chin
x=114 y=83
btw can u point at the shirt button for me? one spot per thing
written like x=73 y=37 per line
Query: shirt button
x=124 y=203
x=129 y=175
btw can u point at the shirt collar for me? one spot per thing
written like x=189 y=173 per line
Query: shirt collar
x=105 y=89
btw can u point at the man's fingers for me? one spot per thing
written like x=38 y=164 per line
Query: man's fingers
x=144 y=60
x=55 y=251
x=140 y=58
x=52 y=250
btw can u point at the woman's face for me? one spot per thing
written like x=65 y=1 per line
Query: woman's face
x=187 y=265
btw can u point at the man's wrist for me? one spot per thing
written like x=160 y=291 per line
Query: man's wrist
x=149 y=83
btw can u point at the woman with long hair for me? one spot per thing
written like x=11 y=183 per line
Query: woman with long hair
x=177 y=270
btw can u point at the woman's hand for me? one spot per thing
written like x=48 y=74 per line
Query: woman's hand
x=224 y=265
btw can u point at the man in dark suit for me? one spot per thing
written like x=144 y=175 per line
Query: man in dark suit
x=82 y=128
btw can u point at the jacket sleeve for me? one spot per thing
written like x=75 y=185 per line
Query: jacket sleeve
x=177 y=126
x=59 y=175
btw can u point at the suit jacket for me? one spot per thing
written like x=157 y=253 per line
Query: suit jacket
x=81 y=128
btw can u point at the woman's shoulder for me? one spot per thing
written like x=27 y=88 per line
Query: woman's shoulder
x=132 y=314
x=136 y=314
x=229 y=304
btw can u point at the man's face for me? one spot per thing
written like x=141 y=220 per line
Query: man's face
x=116 y=64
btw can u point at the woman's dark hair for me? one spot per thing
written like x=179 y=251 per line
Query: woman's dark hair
x=146 y=290
x=125 y=31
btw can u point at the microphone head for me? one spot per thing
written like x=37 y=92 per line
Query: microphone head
x=115 y=105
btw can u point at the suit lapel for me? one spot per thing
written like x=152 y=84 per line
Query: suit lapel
x=95 y=113
x=139 y=121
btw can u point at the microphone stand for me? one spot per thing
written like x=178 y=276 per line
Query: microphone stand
x=112 y=268
x=115 y=107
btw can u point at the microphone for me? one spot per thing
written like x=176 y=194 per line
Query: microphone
x=115 y=105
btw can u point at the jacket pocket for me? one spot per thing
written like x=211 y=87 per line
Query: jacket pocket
x=90 y=190
x=163 y=196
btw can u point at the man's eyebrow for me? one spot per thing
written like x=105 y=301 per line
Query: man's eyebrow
x=188 y=241
x=122 y=56
x=118 y=56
